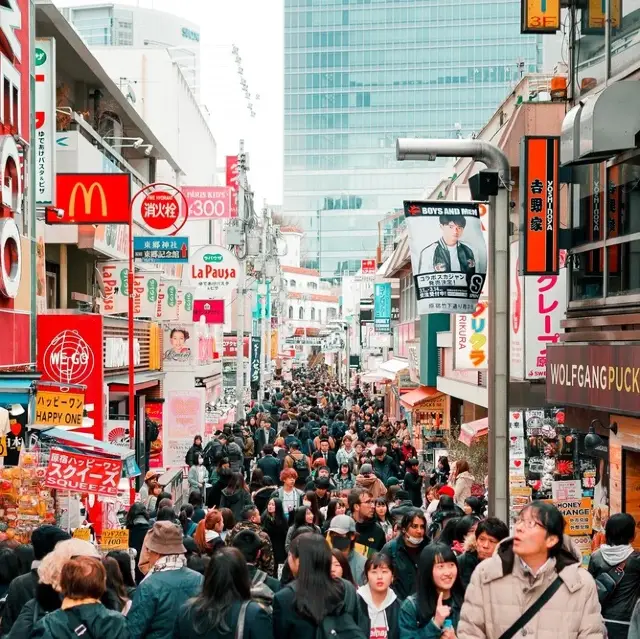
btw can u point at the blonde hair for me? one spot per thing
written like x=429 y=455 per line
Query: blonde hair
x=50 y=569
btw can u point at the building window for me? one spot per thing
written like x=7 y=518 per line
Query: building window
x=320 y=316
x=331 y=314
x=312 y=285
x=313 y=314
x=291 y=312
x=408 y=306
x=301 y=313
x=292 y=283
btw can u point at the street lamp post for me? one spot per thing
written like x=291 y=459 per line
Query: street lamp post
x=498 y=282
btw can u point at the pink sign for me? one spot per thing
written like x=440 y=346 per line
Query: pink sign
x=212 y=310
x=184 y=420
x=209 y=202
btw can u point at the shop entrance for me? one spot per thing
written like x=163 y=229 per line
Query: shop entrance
x=631 y=460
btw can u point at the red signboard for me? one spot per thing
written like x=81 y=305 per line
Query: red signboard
x=83 y=473
x=233 y=180
x=209 y=202
x=160 y=210
x=91 y=198
x=153 y=411
x=212 y=310
x=369 y=267
x=539 y=205
x=70 y=351
x=230 y=346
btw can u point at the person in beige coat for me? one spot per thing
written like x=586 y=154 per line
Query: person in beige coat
x=462 y=482
x=504 y=586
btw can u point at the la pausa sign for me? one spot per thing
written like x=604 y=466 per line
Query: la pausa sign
x=215 y=270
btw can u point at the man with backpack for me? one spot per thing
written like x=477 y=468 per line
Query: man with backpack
x=299 y=462
x=250 y=520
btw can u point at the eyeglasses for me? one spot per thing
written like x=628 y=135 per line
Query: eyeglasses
x=528 y=524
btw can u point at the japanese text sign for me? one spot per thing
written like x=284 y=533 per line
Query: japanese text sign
x=577 y=514
x=594 y=16
x=540 y=16
x=45 y=94
x=82 y=533
x=209 y=202
x=91 y=198
x=382 y=307
x=470 y=340
x=59 y=409
x=114 y=539
x=215 y=270
x=83 y=473
x=230 y=346
x=256 y=349
x=539 y=205
x=233 y=181
x=368 y=267
x=211 y=310
x=159 y=250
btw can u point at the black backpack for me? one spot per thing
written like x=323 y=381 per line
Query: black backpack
x=343 y=625
x=301 y=466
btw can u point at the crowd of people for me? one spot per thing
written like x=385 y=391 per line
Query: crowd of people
x=314 y=519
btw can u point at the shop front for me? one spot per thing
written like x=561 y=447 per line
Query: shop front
x=426 y=410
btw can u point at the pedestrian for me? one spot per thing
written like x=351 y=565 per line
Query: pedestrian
x=196 y=449
x=82 y=584
x=302 y=516
x=383 y=465
x=438 y=598
x=413 y=481
x=615 y=566
x=440 y=474
x=379 y=604
x=480 y=546
x=9 y=570
x=362 y=509
x=262 y=496
x=236 y=495
x=167 y=586
x=198 y=474
x=407 y=450
x=342 y=537
x=250 y=520
x=228 y=520
x=275 y=523
x=299 y=462
x=463 y=482
x=405 y=550
x=340 y=568
x=224 y=608
x=315 y=604
x=197 y=501
x=518 y=577
x=269 y=464
x=208 y=533
x=474 y=506
x=264 y=436
x=116 y=591
x=151 y=477
x=366 y=479
x=186 y=521
x=464 y=528
x=402 y=505
x=445 y=510
x=311 y=499
x=127 y=568
x=383 y=517
x=250 y=545
x=288 y=494
x=347 y=453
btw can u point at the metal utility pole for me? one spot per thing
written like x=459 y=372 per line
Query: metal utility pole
x=263 y=310
x=347 y=349
x=240 y=299
x=498 y=282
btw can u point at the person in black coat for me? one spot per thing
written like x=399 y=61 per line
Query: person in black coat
x=264 y=436
x=138 y=525
x=214 y=494
x=328 y=455
x=191 y=458
x=413 y=482
x=270 y=465
x=276 y=525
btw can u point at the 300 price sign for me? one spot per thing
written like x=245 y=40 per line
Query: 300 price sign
x=208 y=202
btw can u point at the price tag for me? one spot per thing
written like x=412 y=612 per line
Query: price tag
x=114 y=539
x=82 y=533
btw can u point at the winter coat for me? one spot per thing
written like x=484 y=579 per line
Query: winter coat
x=260 y=439
x=257 y=624
x=412 y=627
x=500 y=592
x=385 y=468
x=235 y=456
x=197 y=478
x=405 y=564
x=372 y=484
x=98 y=621
x=235 y=501
x=402 y=509
x=158 y=600
x=21 y=590
x=356 y=563
x=371 y=535
x=343 y=456
x=249 y=448
x=292 y=529
x=278 y=535
x=288 y=623
x=344 y=483
x=191 y=458
x=462 y=488
x=271 y=467
x=265 y=561
x=385 y=616
x=467 y=563
x=262 y=496
x=620 y=603
x=413 y=485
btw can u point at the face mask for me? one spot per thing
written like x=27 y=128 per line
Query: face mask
x=341 y=543
x=416 y=541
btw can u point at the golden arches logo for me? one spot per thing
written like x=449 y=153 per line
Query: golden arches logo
x=87 y=194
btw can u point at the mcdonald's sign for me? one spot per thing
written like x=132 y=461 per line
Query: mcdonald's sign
x=91 y=198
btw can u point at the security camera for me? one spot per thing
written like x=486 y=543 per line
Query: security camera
x=59 y=213
x=138 y=143
x=148 y=150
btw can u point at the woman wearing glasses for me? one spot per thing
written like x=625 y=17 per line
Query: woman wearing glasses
x=538 y=571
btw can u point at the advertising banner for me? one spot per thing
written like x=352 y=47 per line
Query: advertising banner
x=368 y=267
x=211 y=310
x=70 y=351
x=160 y=250
x=180 y=343
x=153 y=413
x=184 y=420
x=91 y=198
x=83 y=473
x=215 y=271
x=449 y=273
x=114 y=539
x=540 y=16
x=539 y=205
x=256 y=349
x=209 y=202
x=470 y=339
x=577 y=514
x=185 y=303
x=169 y=295
x=117 y=433
x=114 y=279
x=382 y=307
x=233 y=181
x=45 y=93
x=60 y=409
x=230 y=345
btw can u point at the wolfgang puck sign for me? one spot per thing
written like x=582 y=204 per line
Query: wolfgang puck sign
x=606 y=377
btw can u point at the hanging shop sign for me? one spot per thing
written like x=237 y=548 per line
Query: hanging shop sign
x=382 y=307
x=256 y=350
x=211 y=310
x=209 y=202
x=470 y=339
x=59 y=409
x=539 y=205
x=153 y=418
x=186 y=298
x=368 y=267
x=161 y=249
x=233 y=181
x=230 y=345
x=184 y=420
x=578 y=515
x=114 y=539
x=449 y=273
x=215 y=271
x=160 y=208
x=594 y=16
x=539 y=16
x=91 y=198
x=116 y=285
x=45 y=95
x=83 y=473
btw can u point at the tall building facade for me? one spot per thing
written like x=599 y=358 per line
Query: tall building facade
x=361 y=73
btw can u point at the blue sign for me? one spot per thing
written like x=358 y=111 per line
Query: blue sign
x=174 y=250
x=382 y=308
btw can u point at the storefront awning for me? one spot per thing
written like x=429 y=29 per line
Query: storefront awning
x=419 y=395
x=376 y=376
x=85 y=440
x=394 y=366
x=473 y=430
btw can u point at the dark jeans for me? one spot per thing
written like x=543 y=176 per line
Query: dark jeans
x=247 y=467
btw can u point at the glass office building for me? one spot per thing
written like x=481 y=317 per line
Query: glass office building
x=361 y=73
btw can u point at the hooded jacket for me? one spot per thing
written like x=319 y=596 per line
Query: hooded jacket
x=372 y=484
x=462 y=487
x=384 y=618
x=235 y=501
x=405 y=564
x=98 y=621
x=500 y=592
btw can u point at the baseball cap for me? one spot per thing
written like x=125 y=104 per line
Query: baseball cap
x=342 y=525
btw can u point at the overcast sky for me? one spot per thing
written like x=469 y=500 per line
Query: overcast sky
x=256 y=27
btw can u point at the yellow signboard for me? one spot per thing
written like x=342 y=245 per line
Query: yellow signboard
x=540 y=16
x=577 y=514
x=82 y=533
x=594 y=20
x=3 y=446
x=59 y=409
x=114 y=539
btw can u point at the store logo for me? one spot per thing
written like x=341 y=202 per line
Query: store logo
x=41 y=57
x=87 y=195
x=212 y=257
x=68 y=359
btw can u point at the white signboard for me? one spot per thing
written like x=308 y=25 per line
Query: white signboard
x=471 y=339
x=45 y=142
x=114 y=279
x=448 y=255
x=215 y=271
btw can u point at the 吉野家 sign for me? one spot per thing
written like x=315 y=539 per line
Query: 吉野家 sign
x=59 y=409
x=215 y=270
x=91 y=198
x=209 y=202
x=114 y=539
x=45 y=95
x=368 y=267
x=83 y=473
x=539 y=205
x=156 y=249
x=448 y=254
x=540 y=16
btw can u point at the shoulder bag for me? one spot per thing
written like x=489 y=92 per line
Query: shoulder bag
x=241 y=620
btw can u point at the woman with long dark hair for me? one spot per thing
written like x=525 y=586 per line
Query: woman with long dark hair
x=302 y=516
x=137 y=523
x=236 y=495
x=116 y=596
x=224 y=606
x=383 y=518
x=340 y=568
x=314 y=599
x=438 y=598
x=311 y=499
x=275 y=524
x=126 y=569
x=336 y=507
x=186 y=521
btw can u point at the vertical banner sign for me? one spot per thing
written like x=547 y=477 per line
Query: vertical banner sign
x=470 y=339
x=45 y=91
x=368 y=267
x=256 y=347
x=595 y=207
x=539 y=205
x=594 y=15
x=153 y=424
x=448 y=255
x=540 y=16
x=382 y=308
x=617 y=204
x=233 y=181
